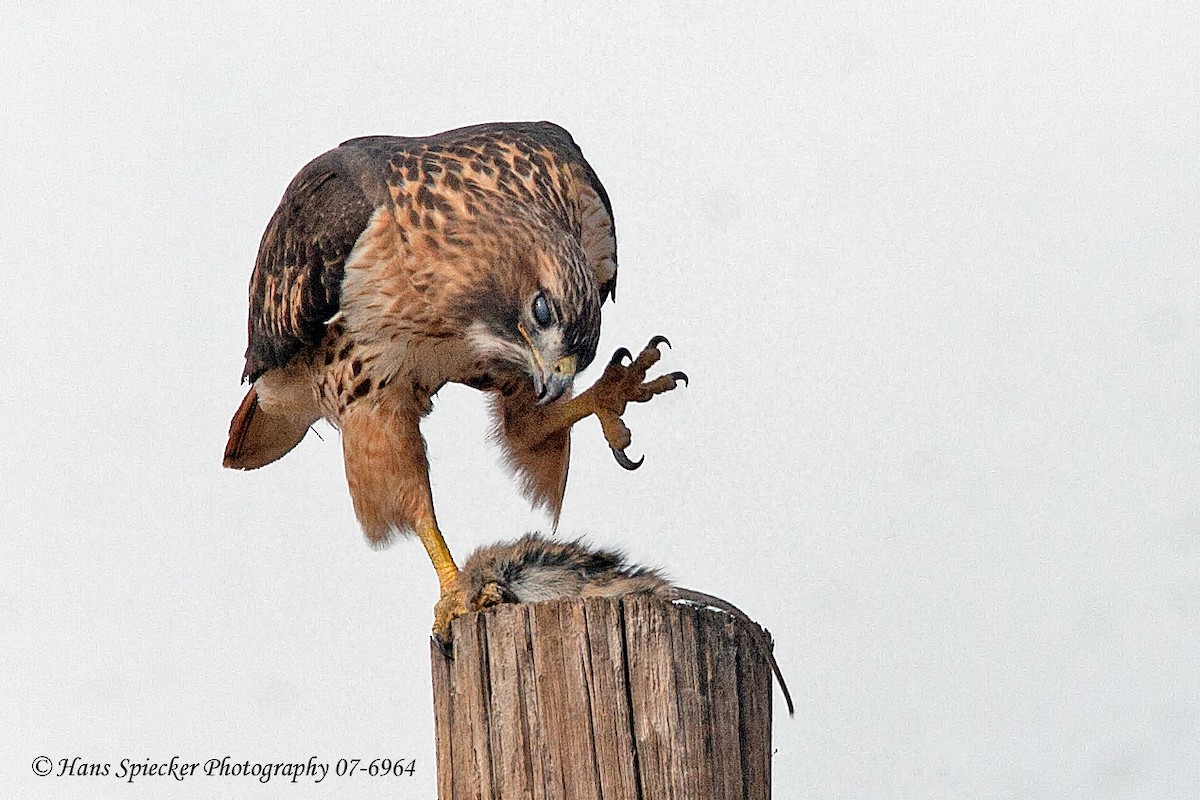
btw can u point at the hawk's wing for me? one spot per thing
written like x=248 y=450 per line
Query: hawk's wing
x=297 y=282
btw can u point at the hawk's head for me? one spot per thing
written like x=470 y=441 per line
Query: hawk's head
x=537 y=314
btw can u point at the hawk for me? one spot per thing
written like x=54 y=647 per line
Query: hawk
x=394 y=265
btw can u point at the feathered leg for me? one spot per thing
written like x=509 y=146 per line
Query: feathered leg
x=539 y=458
x=388 y=474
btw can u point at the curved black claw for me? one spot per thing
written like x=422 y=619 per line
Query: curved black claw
x=443 y=645
x=657 y=340
x=624 y=461
x=680 y=376
x=618 y=356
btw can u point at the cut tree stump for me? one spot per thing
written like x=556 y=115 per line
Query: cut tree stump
x=627 y=698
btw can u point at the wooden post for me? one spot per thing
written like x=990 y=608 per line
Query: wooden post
x=627 y=698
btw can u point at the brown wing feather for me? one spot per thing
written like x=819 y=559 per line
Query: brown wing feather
x=297 y=281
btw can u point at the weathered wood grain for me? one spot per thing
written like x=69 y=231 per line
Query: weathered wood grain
x=616 y=756
x=628 y=698
x=508 y=642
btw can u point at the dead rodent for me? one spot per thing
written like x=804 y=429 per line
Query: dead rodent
x=534 y=568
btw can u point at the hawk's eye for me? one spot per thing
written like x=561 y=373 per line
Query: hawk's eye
x=541 y=310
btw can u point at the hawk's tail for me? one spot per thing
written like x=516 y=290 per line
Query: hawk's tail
x=256 y=438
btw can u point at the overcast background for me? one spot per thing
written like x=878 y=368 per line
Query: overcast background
x=933 y=273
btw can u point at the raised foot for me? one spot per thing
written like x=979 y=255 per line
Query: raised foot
x=450 y=606
x=621 y=384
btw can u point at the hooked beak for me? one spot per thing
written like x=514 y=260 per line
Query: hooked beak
x=550 y=387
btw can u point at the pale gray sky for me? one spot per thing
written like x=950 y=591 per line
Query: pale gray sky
x=932 y=270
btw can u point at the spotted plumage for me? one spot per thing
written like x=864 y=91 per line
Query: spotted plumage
x=460 y=198
x=394 y=265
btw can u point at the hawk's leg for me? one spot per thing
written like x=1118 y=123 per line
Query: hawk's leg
x=451 y=604
x=388 y=474
x=607 y=398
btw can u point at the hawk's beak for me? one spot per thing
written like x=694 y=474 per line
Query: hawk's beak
x=549 y=386
x=552 y=386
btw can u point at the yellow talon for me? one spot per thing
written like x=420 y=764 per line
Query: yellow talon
x=451 y=604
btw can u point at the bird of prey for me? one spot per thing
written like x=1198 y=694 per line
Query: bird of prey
x=394 y=265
